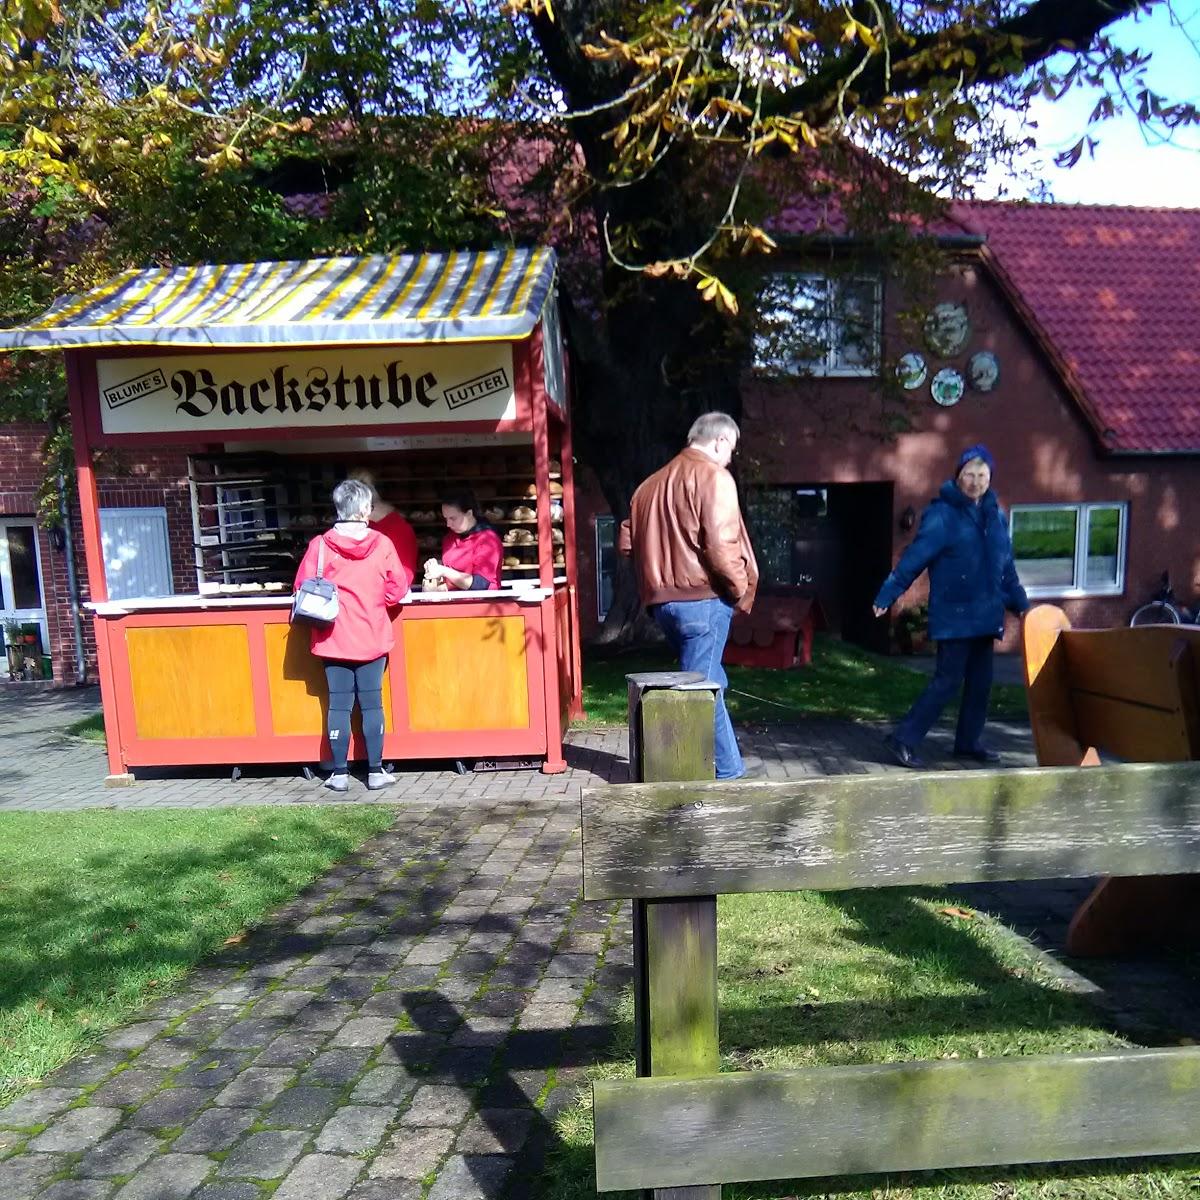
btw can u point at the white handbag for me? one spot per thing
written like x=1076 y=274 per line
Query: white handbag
x=316 y=599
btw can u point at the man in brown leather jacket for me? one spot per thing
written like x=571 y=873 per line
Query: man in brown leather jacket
x=693 y=560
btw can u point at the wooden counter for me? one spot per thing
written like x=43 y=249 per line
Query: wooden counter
x=191 y=680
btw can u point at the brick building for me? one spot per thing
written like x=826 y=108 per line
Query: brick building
x=1063 y=337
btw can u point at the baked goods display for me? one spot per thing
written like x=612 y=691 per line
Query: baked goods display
x=255 y=513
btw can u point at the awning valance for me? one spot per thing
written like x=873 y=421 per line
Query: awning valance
x=463 y=295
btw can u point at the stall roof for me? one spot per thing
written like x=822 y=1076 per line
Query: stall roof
x=461 y=296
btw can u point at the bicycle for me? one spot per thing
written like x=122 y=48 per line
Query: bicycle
x=1163 y=609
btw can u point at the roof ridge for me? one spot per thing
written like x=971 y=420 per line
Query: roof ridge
x=1076 y=206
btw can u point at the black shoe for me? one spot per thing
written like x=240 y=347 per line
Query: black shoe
x=906 y=756
x=981 y=754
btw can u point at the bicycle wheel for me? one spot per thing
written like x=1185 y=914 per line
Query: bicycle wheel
x=1157 y=612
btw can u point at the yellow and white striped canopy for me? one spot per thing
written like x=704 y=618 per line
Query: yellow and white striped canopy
x=460 y=296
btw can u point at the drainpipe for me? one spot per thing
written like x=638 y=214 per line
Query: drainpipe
x=72 y=581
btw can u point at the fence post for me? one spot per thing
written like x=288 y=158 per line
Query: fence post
x=674 y=941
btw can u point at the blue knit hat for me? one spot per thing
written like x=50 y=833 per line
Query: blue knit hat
x=979 y=451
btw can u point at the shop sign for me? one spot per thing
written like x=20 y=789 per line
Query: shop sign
x=306 y=389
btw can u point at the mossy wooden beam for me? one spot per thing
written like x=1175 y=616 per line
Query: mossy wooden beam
x=896 y=1117
x=675 y=941
x=687 y=839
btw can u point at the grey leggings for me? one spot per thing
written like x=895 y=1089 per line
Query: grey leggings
x=345 y=680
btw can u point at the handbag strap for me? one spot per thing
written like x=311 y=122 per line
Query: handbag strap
x=321 y=557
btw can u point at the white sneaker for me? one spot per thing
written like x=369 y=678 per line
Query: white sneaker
x=338 y=783
x=378 y=780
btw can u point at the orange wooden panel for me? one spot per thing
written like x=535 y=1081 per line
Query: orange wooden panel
x=466 y=673
x=191 y=681
x=1134 y=665
x=1047 y=681
x=296 y=681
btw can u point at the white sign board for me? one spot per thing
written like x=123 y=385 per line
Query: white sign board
x=307 y=389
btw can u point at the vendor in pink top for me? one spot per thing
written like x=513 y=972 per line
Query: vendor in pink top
x=472 y=552
x=390 y=523
x=369 y=577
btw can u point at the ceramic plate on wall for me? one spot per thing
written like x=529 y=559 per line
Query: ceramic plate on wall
x=947 y=328
x=983 y=371
x=947 y=387
x=911 y=370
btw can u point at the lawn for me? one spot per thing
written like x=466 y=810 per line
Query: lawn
x=90 y=729
x=841 y=681
x=100 y=911
x=812 y=979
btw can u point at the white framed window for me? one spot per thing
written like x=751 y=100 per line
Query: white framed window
x=810 y=323
x=606 y=563
x=1070 y=549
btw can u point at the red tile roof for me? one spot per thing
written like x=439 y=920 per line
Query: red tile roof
x=1116 y=293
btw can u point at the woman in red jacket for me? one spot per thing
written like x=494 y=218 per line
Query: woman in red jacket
x=390 y=523
x=369 y=577
x=471 y=551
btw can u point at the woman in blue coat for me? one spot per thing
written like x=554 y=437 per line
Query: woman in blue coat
x=963 y=542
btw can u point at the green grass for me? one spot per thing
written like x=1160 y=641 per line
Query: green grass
x=841 y=681
x=91 y=729
x=100 y=911
x=822 y=979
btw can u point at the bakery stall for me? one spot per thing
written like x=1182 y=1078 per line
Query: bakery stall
x=432 y=371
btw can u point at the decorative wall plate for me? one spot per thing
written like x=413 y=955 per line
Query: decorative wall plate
x=947 y=387
x=983 y=371
x=947 y=328
x=911 y=370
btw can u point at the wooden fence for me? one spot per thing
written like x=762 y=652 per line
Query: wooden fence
x=682 y=1129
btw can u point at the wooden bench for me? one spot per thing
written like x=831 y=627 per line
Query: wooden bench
x=1126 y=694
x=683 y=1128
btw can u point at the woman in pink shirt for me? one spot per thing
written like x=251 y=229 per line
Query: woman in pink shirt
x=471 y=551
x=369 y=577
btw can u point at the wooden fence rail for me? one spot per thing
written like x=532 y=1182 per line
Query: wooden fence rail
x=681 y=1129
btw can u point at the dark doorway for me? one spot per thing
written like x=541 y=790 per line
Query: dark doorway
x=833 y=540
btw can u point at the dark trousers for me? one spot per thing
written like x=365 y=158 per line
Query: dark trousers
x=346 y=680
x=961 y=663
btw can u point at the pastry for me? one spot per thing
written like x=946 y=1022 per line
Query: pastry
x=555 y=488
x=531 y=491
x=512 y=560
x=556 y=537
x=510 y=538
x=523 y=513
x=525 y=537
x=493 y=514
x=556 y=510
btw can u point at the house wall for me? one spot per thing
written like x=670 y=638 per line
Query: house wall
x=153 y=480
x=837 y=431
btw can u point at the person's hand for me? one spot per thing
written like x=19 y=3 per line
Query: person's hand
x=879 y=612
x=433 y=568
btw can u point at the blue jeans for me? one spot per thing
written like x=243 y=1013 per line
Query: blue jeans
x=344 y=680
x=961 y=662
x=697 y=631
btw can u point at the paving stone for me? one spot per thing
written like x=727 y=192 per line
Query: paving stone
x=437 y=1104
x=250 y=1033
x=38 y=1106
x=471 y=1177
x=292 y=1050
x=283 y=1003
x=354 y=1129
x=336 y=1068
x=23 y=1174
x=364 y=1031
x=411 y=1153
x=255 y=1087
x=387 y=1085
x=303 y=1107
x=350 y=987
x=213 y=1069
x=495 y=1131
x=78 y=1189
x=548 y=1016
x=120 y=1154
x=387 y=1189
x=171 y=1177
x=170 y=1107
x=323 y=1175
x=128 y=1087
x=266 y=1155
x=133 y=1037
x=228 y=1190
x=89 y=1068
x=571 y=966
x=10 y=1140
x=77 y=1130
x=214 y=1129
x=322 y=1016
x=166 y=1052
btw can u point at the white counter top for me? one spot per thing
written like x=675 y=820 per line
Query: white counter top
x=119 y=608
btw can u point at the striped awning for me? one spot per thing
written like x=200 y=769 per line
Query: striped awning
x=459 y=296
